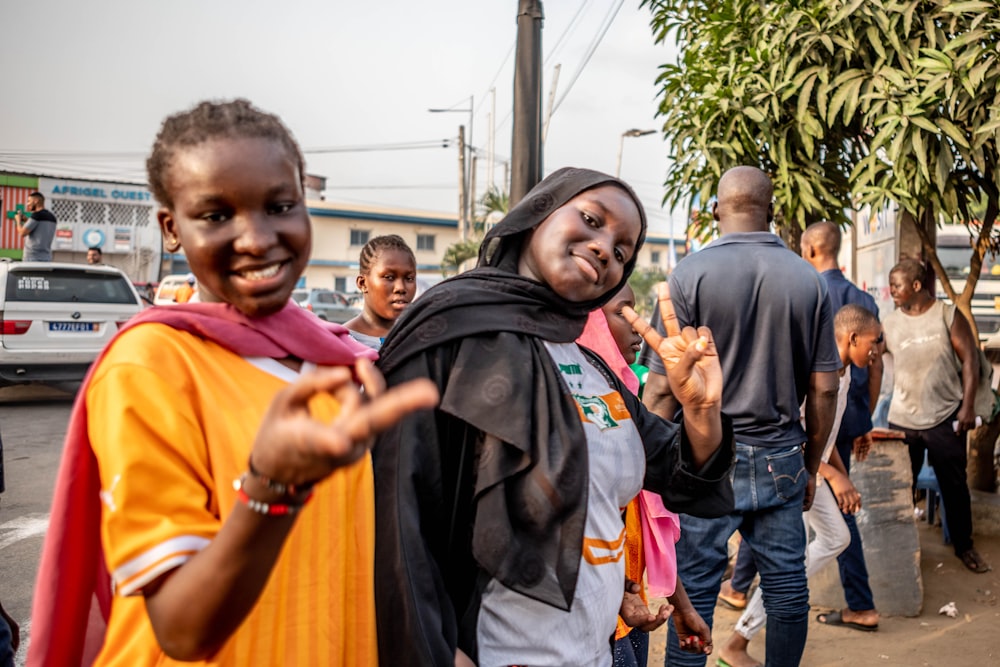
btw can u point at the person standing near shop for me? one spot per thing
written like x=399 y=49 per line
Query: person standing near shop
x=37 y=229
x=94 y=255
x=935 y=376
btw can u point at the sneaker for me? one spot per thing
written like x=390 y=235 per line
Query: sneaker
x=975 y=562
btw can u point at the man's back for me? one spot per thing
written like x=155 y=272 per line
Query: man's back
x=857 y=418
x=772 y=323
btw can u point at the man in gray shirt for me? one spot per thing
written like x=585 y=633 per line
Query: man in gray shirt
x=773 y=326
x=37 y=229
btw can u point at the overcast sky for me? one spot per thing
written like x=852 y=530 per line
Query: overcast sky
x=101 y=75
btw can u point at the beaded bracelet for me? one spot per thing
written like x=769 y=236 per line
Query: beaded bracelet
x=273 y=485
x=267 y=509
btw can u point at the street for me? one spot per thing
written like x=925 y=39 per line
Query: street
x=33 y=421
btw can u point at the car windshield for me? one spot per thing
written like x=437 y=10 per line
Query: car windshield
x=68 y=286
x=955 y=258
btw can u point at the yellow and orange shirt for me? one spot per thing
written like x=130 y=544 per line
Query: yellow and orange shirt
x=172 y=419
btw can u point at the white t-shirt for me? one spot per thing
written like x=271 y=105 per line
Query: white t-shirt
x=517 y=630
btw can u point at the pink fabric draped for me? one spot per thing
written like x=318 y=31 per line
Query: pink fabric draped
x=73 y=592
x=661 y=528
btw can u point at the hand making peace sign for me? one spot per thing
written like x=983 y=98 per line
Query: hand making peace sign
x=689 y=356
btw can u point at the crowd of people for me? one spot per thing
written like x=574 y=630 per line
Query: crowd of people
x=471 y=477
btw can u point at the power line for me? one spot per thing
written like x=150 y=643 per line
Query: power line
x=602 y=31
x=566 y=31
x=48 y=156
x=408 y=146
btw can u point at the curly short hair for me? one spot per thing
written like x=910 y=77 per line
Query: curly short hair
x=236 y=119
x=374 y=246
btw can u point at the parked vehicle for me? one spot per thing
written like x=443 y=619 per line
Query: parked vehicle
x=326 y=304
x=954 y=249
x=167 y=287
x=55 y=318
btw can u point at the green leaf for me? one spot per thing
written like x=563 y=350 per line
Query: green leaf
x=953 y=132
x=754 y=114
x=875 y=39
x=923 y=123
x=967 y=7
x=991 y=126
x=841 y=96
x=944 y=164
x=805 y=97
x=921 y=155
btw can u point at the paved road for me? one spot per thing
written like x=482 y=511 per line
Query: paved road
x=32 y=423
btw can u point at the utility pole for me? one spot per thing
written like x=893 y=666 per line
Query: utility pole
x=490 y=146
x=552 y=101
x=461 y=184
x=526 y=145
x=472 y=190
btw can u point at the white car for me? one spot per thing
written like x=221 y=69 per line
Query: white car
x=167 y=287
x=57 y=317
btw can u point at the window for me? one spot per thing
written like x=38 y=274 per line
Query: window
x=655 y=257
x=68 y=286
x=359 y=236
x=425 y=242
x=340 y=283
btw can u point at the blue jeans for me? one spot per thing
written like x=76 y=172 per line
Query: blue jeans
x=6 y=647
x=851 y=561
x=632 y=649
x=744 y=570
x=769 y=485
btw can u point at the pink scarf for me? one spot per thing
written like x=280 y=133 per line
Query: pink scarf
x=661 y=528
x=73 y=593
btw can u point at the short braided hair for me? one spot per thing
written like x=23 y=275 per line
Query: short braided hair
x=376 y=245
x=213 y=120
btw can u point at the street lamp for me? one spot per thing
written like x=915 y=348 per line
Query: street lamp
x=621 y=144
x=465 y=196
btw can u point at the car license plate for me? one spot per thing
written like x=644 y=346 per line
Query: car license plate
x=74 y=326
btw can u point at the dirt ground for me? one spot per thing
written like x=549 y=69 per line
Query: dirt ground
x=931 y=639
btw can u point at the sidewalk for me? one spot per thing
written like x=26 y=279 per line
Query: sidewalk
x=930 y=640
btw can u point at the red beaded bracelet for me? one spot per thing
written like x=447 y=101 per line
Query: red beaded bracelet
x=267 y=509
x=273 y=485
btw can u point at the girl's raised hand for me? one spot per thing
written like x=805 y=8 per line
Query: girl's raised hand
x=689 y=356
x=293 y=447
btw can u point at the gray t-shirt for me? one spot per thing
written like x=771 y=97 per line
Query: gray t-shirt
x=927 y=380
x=773 y=326
x=41 y=228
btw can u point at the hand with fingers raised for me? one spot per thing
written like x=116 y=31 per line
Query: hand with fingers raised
x=693 y=370
x=293 y=448
x=689 y=355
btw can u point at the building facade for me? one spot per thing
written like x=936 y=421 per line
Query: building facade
x=117 y=217
x=341 y=230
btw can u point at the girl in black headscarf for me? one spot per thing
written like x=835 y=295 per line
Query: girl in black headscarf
x=498 y=526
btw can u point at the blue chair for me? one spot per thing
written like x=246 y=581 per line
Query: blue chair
x=927 y=481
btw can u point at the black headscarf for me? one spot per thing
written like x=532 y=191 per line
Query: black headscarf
x=528 y=305
x=532 y=470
